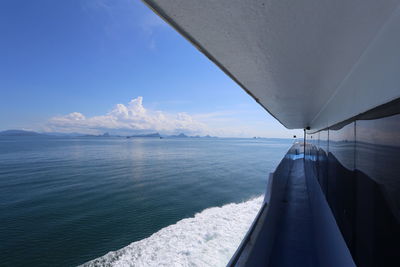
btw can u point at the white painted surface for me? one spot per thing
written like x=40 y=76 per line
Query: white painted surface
x=309 y=62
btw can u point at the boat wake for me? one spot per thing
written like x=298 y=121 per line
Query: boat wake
x=208 y=239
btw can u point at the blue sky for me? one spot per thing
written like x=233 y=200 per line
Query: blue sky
x=95 y=65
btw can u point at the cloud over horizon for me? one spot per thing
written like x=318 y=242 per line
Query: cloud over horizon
x=127 y=119
x=134 y=118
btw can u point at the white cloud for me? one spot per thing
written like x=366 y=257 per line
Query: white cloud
x=133 y=118
x=130 y=118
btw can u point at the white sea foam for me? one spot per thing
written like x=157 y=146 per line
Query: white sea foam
x=208 y=239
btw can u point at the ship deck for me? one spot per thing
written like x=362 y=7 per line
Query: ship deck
x=295 y=226
x=293 y=245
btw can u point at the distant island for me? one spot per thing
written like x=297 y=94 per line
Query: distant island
x=97 y=135
x=57 y=134
x=145 y=135
x=19 y=133
x=181 y=135
x=158 y=135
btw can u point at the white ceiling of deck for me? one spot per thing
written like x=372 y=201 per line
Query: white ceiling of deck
x=309 y=62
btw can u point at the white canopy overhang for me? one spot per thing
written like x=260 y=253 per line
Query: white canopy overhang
x=309 y=62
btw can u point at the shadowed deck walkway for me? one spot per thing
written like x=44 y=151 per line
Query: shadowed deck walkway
x=293 y=242
x=295 y=227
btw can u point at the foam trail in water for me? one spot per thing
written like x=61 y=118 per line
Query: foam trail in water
x=208 y=239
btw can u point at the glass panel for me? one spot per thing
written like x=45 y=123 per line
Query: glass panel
x=378 y=191
x=341 y=179
x=323 y=160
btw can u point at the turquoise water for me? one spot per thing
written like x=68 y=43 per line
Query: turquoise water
x=65 y=201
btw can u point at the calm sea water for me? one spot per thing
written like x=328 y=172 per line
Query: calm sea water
x=65 y=201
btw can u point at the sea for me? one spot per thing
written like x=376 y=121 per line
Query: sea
x=113 y=201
